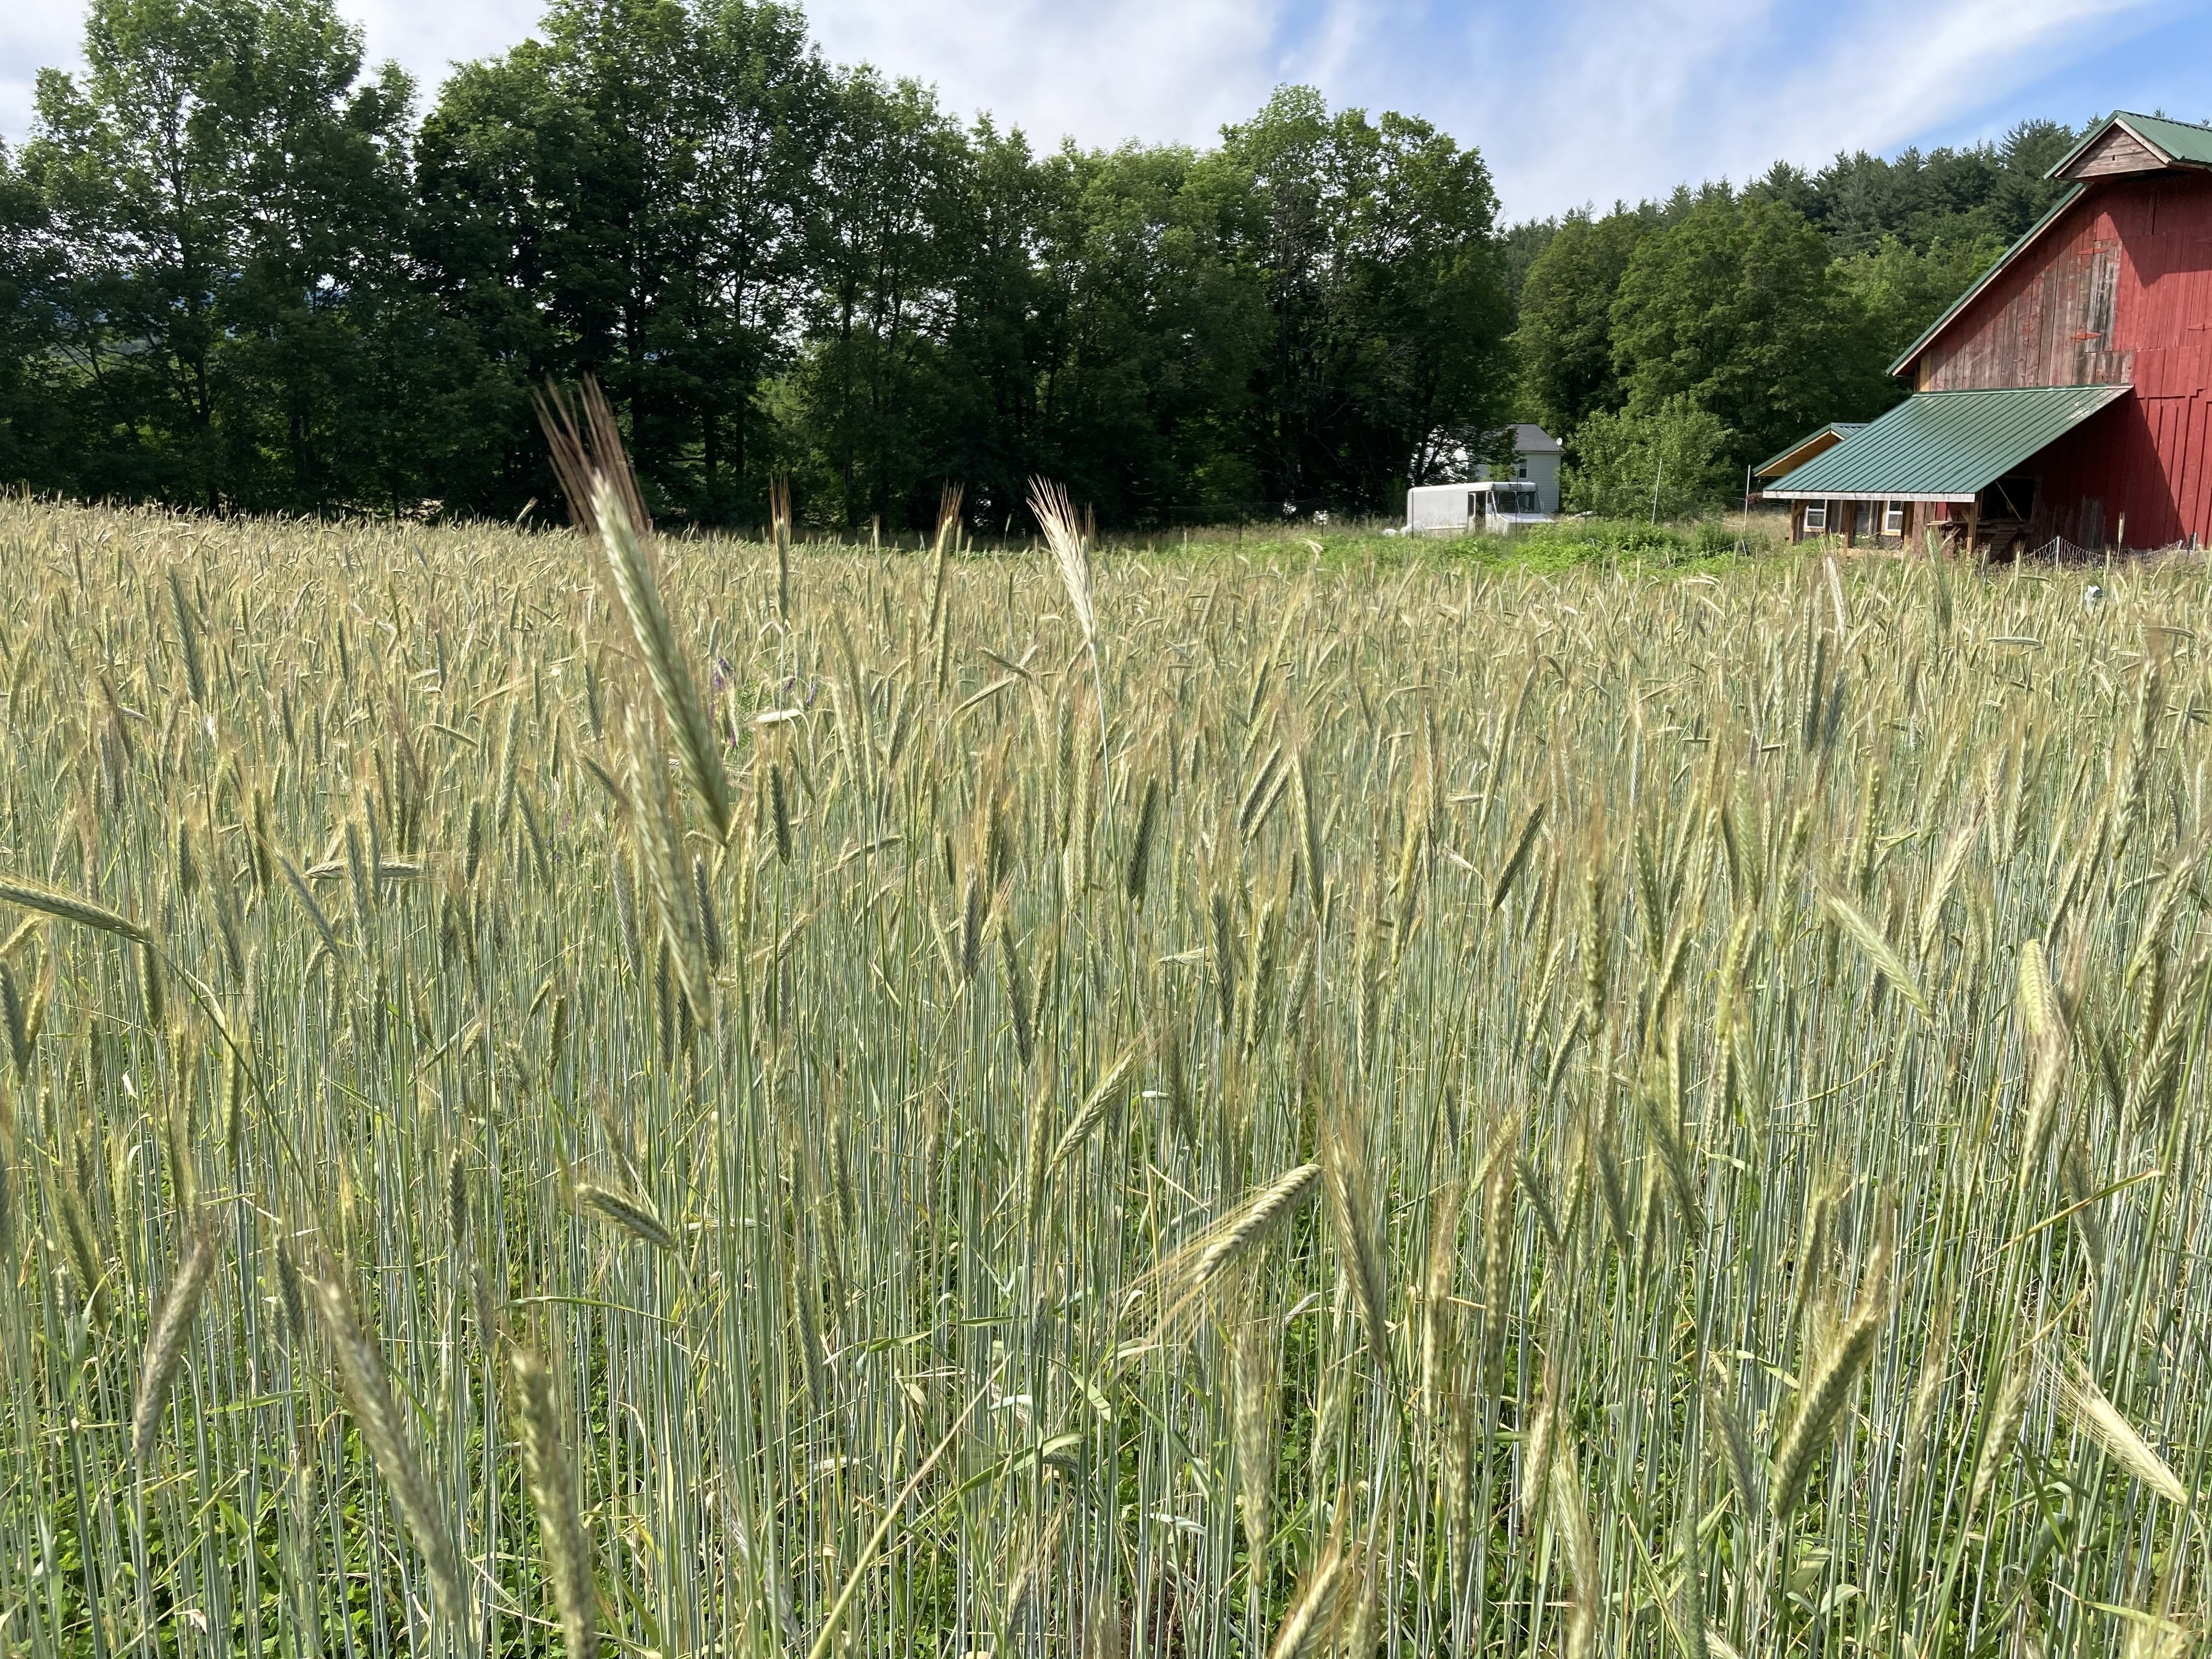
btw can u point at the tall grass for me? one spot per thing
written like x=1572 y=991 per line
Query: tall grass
x=565 y=1094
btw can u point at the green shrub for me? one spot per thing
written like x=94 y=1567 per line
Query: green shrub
x=1670 y=462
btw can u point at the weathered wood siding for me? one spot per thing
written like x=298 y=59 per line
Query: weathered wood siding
x=2119 y=291
x=2116 y=153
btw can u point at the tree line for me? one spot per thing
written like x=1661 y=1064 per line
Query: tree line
x=242 y=269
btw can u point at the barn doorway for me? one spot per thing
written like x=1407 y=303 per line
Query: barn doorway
x=2008 y=510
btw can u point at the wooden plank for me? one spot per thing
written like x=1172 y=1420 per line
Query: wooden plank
x=2034 y=325
x=2114 y=156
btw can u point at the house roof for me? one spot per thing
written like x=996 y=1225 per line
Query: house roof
x=1945 y=446
x=1783 y=460
x=2180 y=144
x=1530 y=439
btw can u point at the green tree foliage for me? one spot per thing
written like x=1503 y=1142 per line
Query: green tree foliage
x=1672 y=459
x=633 y=196
x=1387 y=293
x=1899 y=290
x=1737 y=307
x=230 y=198
x=1992 y=191
x=893 y=192
x=1565 y=337
x=1522 y=245
x=1154 y=323
x=29 y=442
x=1095 y=316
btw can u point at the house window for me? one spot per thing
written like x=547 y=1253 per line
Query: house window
x=1816 y=517
x=1892 y=518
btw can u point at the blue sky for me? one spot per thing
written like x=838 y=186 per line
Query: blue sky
x=1572 y=100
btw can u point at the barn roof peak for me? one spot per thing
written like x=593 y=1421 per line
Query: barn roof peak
x=2125 y=143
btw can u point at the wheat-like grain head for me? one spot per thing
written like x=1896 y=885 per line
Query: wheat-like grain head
x=553 y=1492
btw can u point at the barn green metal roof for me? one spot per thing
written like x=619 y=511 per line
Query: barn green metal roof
x=1944 y=446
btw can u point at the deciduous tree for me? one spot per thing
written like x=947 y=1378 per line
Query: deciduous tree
x=1736 y=307
x=230 y=195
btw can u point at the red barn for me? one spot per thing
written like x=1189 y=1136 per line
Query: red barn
x=2069 y=392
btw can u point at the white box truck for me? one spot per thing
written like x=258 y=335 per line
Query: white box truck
x=1432 y=509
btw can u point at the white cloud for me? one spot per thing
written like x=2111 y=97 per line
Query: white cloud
x=1586 y=100
x=31 y=37
x=426 y=36
x=1572 y=101
x=1575 y=100
x=1159 y=70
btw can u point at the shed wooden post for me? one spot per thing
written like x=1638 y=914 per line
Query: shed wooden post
x=1850 y=524
x=1797 y=522
x=1973 y=526
x=1905 y=527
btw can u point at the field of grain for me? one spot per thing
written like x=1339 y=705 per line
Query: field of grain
x=566 y=1097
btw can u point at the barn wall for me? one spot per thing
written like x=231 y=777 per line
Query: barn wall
x=2118 y=291
x=2079 y=481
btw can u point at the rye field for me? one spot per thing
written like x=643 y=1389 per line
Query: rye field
x=572 y=1094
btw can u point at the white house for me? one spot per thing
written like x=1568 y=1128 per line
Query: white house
x=1535 y=459
x=1483 y=502
x=1531 y=494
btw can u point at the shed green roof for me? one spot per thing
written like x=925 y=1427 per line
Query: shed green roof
x=1944 y=446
